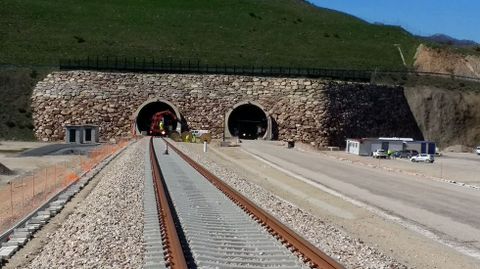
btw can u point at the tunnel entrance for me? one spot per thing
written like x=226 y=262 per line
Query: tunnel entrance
x=145 y=115
x=248 y=121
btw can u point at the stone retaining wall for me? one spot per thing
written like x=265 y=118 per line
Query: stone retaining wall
x=319 y=112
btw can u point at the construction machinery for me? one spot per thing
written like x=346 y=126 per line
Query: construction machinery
x=160 y=123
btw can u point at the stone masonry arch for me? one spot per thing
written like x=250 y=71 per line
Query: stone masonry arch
x=267 y=135
x=164 y=104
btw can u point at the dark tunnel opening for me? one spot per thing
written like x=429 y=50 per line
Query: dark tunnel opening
x=248 y=122
x=145 y=117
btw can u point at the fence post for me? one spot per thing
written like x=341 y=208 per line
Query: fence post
x=33 y=187
x=45 y=185
x=11 y=196
x=55 y=176
x=23 y=191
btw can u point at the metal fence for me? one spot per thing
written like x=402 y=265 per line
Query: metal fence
x=170 y=65
x=23 y=194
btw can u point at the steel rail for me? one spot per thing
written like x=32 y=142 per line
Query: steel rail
x=173 y=247
x=307 y=251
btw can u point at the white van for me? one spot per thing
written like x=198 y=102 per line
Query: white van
x=478 y=150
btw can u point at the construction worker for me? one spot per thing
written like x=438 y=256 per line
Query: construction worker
x=390 y=153
x=160 y=125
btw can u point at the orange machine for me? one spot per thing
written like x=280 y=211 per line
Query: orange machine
x=158 y=123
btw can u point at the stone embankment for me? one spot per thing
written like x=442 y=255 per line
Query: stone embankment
x=319 y=112
x=106 y=229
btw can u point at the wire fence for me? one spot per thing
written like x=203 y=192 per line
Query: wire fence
x=22 y=195
x=170 y=65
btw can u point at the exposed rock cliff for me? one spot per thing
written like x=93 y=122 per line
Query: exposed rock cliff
x=449 y=117
x=444 y=61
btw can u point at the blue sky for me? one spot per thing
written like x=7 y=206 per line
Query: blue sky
x=457 y=18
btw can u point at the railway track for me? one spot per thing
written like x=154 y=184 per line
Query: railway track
x=194 y=220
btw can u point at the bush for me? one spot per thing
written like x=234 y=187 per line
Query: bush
x=79 y=39
x=10 y=124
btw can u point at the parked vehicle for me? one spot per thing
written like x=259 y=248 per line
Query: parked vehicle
x=379 y=153
x=478 y=150
x=405 y=154
x=423 y=158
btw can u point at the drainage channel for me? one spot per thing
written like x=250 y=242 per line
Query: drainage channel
x=215 y=230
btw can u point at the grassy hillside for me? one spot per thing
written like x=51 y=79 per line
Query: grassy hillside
x=15 y=111
x=260 y=32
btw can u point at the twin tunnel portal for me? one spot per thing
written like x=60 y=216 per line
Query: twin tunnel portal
x=246 y=120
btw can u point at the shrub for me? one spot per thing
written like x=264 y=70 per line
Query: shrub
x=10 y=124
x=79 y=39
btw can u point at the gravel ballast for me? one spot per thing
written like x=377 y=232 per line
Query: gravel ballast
x=106 y=229
x=351 y=252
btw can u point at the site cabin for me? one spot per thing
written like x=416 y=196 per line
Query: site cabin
x=366 y=146
x=81 y=134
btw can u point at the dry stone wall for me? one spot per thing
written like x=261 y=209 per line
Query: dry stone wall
x=319 y=112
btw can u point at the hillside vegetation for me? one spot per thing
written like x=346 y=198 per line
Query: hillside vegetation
x=240 y=32
x=15 y=111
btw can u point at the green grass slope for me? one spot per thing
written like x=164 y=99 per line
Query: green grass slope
x=15 y=111
x=241 y=32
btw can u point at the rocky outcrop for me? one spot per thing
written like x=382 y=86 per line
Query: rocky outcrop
x=438 y=60
x=447 y=116
x=319 y=112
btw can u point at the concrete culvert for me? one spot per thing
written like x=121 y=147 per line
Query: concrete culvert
x=248 y=121
x=146 y=112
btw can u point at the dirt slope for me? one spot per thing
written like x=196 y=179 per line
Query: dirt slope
x=443 y=61
x=446 y=116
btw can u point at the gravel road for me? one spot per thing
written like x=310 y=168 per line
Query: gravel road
x=351 y=252
x=106 y=229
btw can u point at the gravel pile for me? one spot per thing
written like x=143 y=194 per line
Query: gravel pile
x=106 y=229
x=351 y=252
